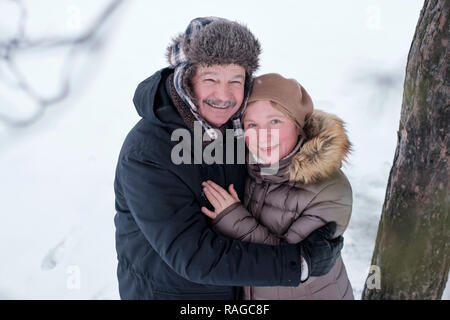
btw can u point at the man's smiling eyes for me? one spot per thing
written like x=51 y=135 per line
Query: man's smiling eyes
x=210 y=80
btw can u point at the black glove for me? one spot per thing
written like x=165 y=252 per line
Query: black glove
x=320 y=251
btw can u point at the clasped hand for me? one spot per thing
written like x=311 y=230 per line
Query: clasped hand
x=218 y=197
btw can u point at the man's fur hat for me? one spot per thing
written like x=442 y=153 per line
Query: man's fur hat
x=209 y=41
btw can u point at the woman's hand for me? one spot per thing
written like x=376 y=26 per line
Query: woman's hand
x=218 y=197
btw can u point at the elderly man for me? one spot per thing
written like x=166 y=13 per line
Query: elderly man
x=166 y=248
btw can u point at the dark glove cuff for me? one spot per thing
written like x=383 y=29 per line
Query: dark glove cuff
x=305 y=260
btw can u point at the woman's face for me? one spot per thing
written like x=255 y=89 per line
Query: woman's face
x=269 y=133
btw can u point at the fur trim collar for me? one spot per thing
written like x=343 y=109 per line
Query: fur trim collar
x=321 y=155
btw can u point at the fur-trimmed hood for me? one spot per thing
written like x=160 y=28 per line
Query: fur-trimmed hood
x=322 y=153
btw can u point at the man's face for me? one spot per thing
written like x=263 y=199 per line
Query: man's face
x=219 y=90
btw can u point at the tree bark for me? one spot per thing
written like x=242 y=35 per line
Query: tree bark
x=413 y=242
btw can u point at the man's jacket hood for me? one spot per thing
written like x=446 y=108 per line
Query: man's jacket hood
x=154 y=105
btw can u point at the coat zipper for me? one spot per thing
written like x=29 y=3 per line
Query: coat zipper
x=257 y=215
x=261 y=200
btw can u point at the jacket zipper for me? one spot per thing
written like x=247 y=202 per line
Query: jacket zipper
x=261 y=200
x=257 y=214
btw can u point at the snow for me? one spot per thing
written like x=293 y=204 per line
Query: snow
x=57 y=231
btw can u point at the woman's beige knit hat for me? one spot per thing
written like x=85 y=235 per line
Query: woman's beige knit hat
x=287 y=93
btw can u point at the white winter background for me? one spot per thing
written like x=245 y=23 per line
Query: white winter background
x=56 y=176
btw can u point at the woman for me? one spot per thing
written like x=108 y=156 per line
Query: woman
x=295 y=187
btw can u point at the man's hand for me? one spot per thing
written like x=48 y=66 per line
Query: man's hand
x=320 y=251
x=218 y=197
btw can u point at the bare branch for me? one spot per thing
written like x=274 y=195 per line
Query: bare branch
x=86 y=41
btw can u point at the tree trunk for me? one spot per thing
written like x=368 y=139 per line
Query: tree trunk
x=412 y=251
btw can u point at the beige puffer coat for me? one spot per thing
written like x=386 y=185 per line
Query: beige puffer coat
x=308 y=191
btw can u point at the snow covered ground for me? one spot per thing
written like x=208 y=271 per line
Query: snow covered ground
x=57 y=231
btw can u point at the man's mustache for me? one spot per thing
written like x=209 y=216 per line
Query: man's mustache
x=219 y=103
